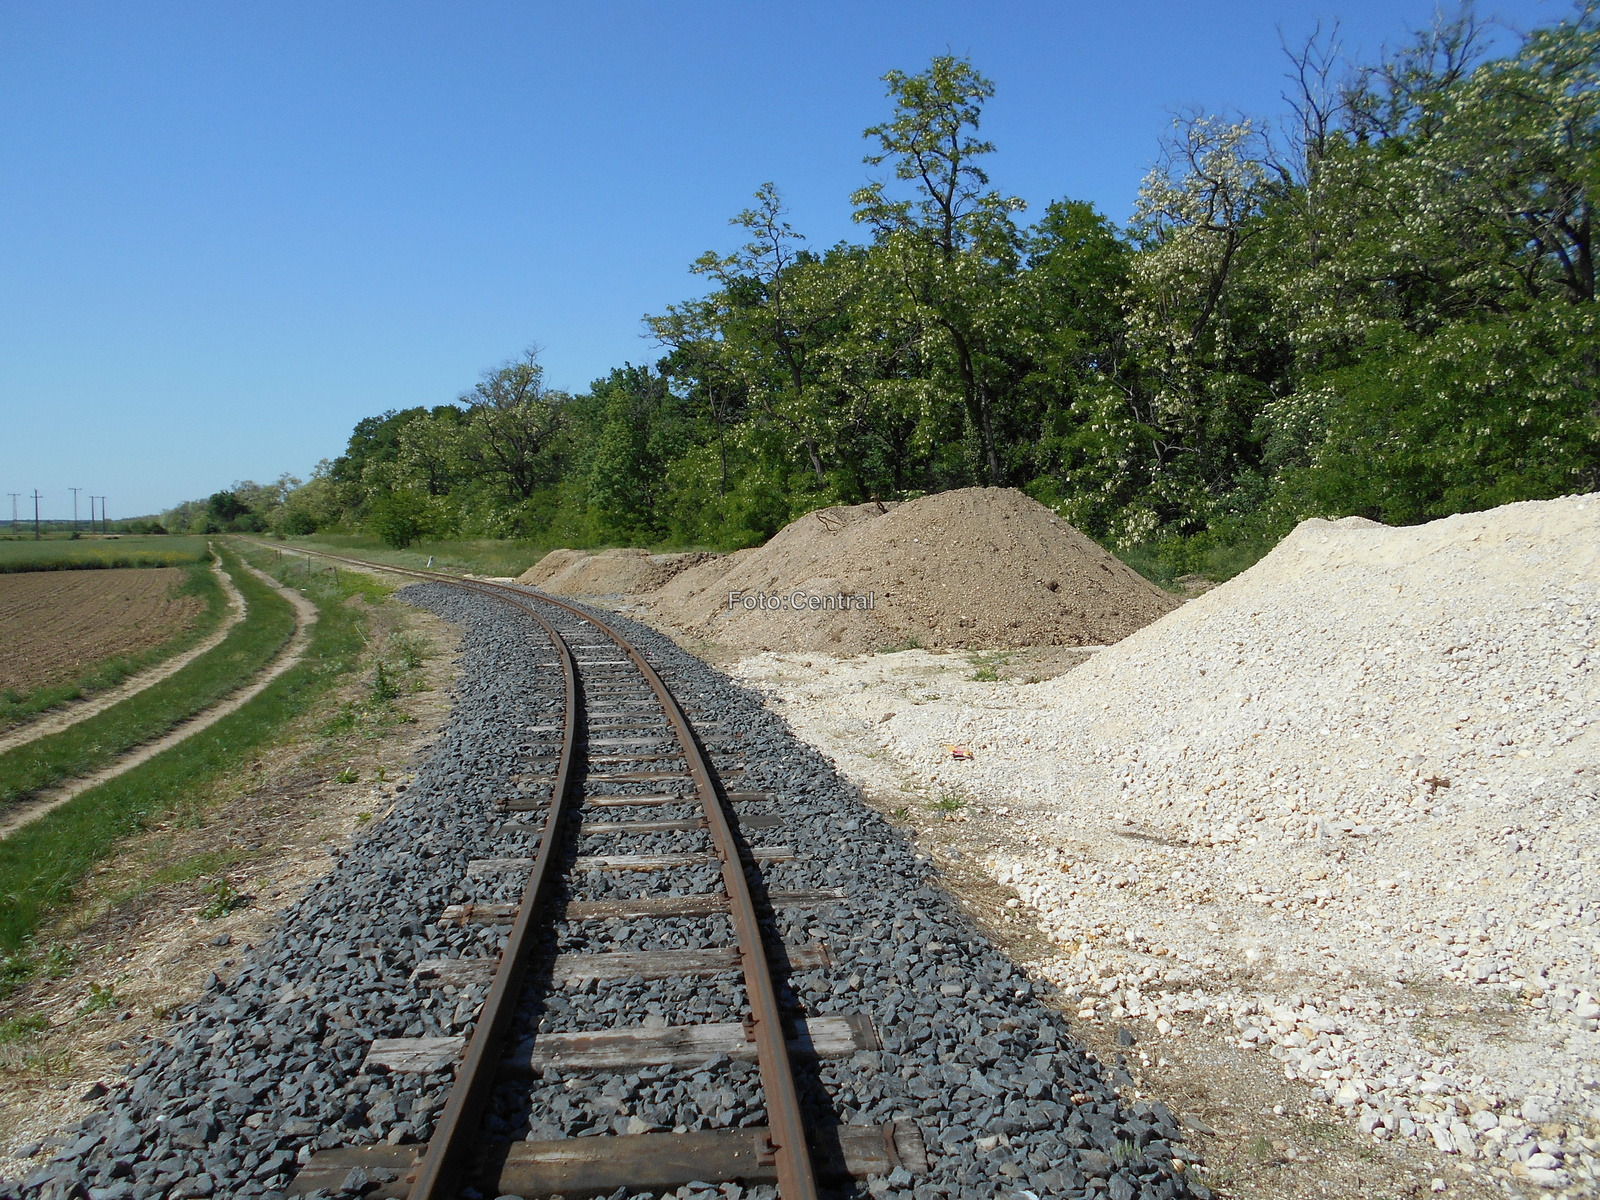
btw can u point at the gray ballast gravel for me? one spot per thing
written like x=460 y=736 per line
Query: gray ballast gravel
x=267 y=1067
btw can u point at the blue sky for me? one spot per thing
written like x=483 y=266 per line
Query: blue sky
x=229 y=231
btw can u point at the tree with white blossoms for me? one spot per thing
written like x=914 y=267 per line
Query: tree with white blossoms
x=950 y=243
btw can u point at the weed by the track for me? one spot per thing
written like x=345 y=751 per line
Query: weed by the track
x=100 y=996
x=949 y=805
x=14 y=1029
x=384 y=688
x=221 y=899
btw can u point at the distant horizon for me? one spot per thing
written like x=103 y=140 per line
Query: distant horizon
x=232 y=234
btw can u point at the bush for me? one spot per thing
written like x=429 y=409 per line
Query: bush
x=1481 y=413
x=396 y=517
x=299 y=523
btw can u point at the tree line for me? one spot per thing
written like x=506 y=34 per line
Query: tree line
x=1381 y=303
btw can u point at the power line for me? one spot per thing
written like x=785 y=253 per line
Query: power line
x=13 y=496
x=75 y=491
x=36 y=514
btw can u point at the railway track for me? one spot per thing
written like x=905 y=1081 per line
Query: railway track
x=617 y=905
x=621 y=771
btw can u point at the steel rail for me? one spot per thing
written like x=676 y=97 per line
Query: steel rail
x=786 y=1125
x=449 y=1155
x=449 y=1149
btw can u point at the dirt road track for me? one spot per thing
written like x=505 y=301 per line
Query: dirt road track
x=305 y=618
x=70 y=714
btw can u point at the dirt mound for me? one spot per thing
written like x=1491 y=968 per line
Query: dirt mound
x=975 y=568
x=551 y=565
x=610 y=573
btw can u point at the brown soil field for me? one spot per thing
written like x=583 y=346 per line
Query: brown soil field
x=56 y=625
x=137 y=931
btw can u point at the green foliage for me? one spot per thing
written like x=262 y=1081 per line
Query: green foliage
x=221 y=899
x=15 y=1029
x=384 y=688
x=397 y=517
x=101 y=996
x=1383 y=307
x=1479 y=413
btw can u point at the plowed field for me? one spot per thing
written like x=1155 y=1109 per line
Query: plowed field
x=56 y=625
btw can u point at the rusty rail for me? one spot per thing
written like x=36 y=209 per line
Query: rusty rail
x=440 y=1173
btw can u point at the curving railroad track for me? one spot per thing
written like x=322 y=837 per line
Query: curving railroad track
x=623 y=764
x=621 y=935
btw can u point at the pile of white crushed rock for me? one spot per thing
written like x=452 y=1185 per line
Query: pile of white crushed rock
x=1348 y=802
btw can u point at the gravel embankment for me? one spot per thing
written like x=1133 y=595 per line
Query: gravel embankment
x=267 y=1067
x=1344 y=802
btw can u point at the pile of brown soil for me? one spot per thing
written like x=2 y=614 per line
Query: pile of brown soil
x=979 y=568
x=551 y=565
x=609 y=573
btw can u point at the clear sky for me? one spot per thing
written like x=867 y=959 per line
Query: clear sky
x=228 y=231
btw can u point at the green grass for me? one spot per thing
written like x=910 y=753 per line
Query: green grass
x=479 y=556
x=908 y=643
x=987 y=666
x=199 y=580
x=123 y=550
x=42 y=864
x=14 y=1029
x=92 y=743
x=1210 y=557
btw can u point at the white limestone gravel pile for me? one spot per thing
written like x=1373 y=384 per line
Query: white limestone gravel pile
x=1364 y=772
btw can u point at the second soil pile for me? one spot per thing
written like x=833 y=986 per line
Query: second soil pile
x=979 y=568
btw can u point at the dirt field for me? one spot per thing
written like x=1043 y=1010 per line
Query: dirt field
x=57 y=625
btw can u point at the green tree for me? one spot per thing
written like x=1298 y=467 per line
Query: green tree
x=512 y=423
x=950 y=241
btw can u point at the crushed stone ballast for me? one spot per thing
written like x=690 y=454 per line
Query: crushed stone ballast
x=924 y=1063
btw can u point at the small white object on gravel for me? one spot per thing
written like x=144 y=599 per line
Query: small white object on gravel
x=1356 y=784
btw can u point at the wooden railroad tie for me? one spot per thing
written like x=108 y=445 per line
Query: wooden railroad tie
x=617 y=964
x=701 y=904
x=827 y=1036
x=639 y=1162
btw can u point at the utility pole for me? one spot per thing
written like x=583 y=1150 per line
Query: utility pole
x=36 y=514
x=13 y=496
x=75 y=491
x=105 y=521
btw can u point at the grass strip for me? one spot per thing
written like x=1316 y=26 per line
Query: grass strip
x=199 y=580
x=91 y=744
x=42 y=863
x=68 y=554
